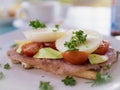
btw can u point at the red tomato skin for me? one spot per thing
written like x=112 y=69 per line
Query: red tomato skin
x=30 y=49
x=103 y=48
x=75 y=57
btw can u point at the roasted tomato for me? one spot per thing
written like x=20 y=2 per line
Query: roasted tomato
x=31 y=48
x=49 y=44
x=75 y=57
x=103 y=48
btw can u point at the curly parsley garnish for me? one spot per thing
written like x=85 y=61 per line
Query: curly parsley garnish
x=36 y=24
x=78 y=38
x=69 y=81
x=101 y=79
x=1 y=75
x=45 y=86
x=7 y=66
x=57 y=26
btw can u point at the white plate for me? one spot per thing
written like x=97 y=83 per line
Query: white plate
x=18 y=78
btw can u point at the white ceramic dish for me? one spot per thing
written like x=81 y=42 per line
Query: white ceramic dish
x=18 y=78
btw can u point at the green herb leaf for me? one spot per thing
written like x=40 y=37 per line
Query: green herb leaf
x=78 y=38
x=101 y=79
x=72 y=44
x=1 y=75
x=69 y=81
x=57 y=26
x=36 y=24
x=7 y=66
x=45 y=86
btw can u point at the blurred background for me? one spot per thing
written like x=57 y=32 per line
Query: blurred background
x=76 y=14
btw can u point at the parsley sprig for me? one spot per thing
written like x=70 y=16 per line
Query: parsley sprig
x=78 y=38
x=45 y=86
x=6 y=66
x=101 y=79
x=1 y=75
x=69 y=81
x=71 y=44
x=57 y=26
x=36 y=24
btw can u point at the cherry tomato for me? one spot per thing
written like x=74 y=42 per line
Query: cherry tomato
x=49 y=44
x=103 y=48
x=75 y=57
x=31 y=48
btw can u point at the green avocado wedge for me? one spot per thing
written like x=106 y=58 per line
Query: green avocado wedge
x=96 y=59
x=48 y=53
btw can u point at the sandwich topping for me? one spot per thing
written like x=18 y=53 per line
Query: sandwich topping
x=79 y=43
x=75 y=46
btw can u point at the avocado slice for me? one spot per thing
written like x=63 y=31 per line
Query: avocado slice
x=96 y=59
x=48 y=53
x=19 y=49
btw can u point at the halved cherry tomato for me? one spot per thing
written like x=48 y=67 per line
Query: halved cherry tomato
x=75 y=57
x=31 y=48
x=49 y=44
x=103 y=48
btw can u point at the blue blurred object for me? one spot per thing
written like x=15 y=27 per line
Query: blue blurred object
x=6 y=28
x=115 y=20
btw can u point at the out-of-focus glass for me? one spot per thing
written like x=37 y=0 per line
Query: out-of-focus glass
x=8 y=10
x=41 y=10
